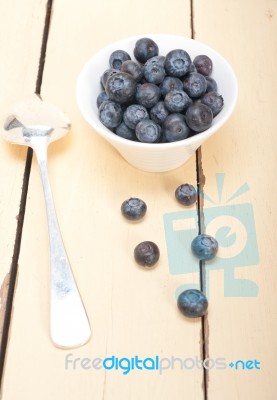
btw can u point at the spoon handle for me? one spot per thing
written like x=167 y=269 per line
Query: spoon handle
x=69 y=324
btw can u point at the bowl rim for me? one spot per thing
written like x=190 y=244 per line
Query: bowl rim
x=112 y=137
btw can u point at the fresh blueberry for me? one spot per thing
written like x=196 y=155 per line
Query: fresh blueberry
x=133 y=209
x=214 y=101
x=147 y=131
x=154 y=72
x=148 y=94
x=145 y=48
x=170 y=83
x=147 y=253
x=134 y=114
x=132 y=68
x=186 y=194
x=117 y=58
x=211 y=85
x=159 y=113
x=125 y=132
x=177 y=101
x=175 y=128
x=203 y=64
x=177 y=63
x=192 y=303
x=109 y=72
x=100 y=98
x=199 y=117
x=110 y=114
x=195 y=84
x=121 y=87
x=156 y=60
x=204 y=247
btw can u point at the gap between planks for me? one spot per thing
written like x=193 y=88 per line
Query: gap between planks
x=9 y=284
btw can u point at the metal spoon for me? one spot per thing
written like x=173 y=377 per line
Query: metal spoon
x=36 y=123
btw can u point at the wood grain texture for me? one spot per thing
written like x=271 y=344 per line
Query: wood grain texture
x=21 y=27
x=242 y=316
x=132 y=311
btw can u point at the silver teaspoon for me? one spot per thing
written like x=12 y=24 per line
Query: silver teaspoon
x=36 y=123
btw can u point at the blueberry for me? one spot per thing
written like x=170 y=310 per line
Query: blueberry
x=170 y=83
x=175 y=128
x=100 y=98
x=133 y=68
x=125 y=132
x=147 y=253
x=110 y=114
x=203 y=64
x=157 y=60
x=121 y=87
x=186 y=194
x=195 y=84
x=159 y=113
x=134 y=114
x=211 y=85
x=177 y=63
x=204 y=247
x=154 y=71
x=214 y=101
x=147 y=131
x=148 y=94
x=133 y=209
x=199 y=117
x=177 y=101
x=145 y=48
x=109 y=72
x=192 y=303
x=117 y=58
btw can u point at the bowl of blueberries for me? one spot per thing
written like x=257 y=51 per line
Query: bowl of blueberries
x=156 y=98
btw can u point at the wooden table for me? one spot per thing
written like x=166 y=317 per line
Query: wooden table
x=43 y=46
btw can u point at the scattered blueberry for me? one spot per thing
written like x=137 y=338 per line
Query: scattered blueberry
x=125 y=132
x=203 y=64
x=100 y=98
x=177 y=101
x=148 y=94
x=133 y=209
x=145 y=48
x=132 y=68
x=214 y=101
x=199 y=117
x=175 y=128
x=117 y=58
x=121 y=87
x=159 y=113
x=177 y=63
x=186 y=194
x=134 y=114
x=147 y=131
x=195 y=84
x=110 y=114
x=170 y=83
x=192 y=303
x=147 y=253
x=211 y=85
x=204 y=247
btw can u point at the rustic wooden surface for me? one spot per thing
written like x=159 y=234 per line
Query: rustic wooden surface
x=133 y=312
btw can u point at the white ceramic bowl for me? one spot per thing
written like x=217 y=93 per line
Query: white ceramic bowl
x=158 y=157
